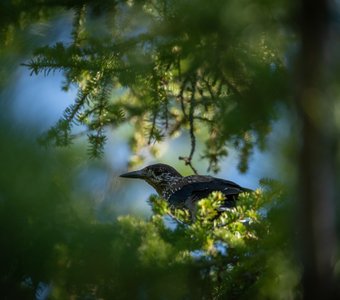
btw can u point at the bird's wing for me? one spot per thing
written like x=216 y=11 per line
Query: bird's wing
x=197 y=187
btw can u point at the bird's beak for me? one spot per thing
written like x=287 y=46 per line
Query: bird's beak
x=134 y=174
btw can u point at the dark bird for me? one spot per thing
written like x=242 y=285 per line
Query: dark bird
x=185 y=192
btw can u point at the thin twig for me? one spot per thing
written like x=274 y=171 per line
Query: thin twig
x=154 y=118
x=203 y=119
x=191 y=122
x=166 y=112
x=188 y=159
x=205 y=81
x=155 y=89
x=180 y=97
x=166 y=101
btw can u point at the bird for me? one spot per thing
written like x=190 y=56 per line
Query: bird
x=185 y=191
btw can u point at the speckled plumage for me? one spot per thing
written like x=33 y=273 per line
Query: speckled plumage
x=182 y=191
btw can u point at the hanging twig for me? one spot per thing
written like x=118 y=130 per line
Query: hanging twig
x=188 y=159
x=180 y=97
x=154 y=118
x=166 y=113
x=155 y=94
x=209 y=88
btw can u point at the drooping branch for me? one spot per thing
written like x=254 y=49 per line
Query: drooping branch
x=188 y=159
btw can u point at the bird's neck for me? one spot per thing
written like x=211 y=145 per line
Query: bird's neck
x=165 y=188
x=170 y=187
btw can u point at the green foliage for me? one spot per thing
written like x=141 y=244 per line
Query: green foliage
x=214 y=69
x=235 y=249
x=166 y=67
x=50 y=236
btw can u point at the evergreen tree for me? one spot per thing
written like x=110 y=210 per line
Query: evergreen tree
x=215 y=70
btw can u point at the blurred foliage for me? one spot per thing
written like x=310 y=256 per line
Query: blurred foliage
x=166 y=67
x=51 y=240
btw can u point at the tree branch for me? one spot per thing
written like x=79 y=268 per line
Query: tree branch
x=188 y=159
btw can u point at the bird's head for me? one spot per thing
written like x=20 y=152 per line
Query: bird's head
x=157 y=175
